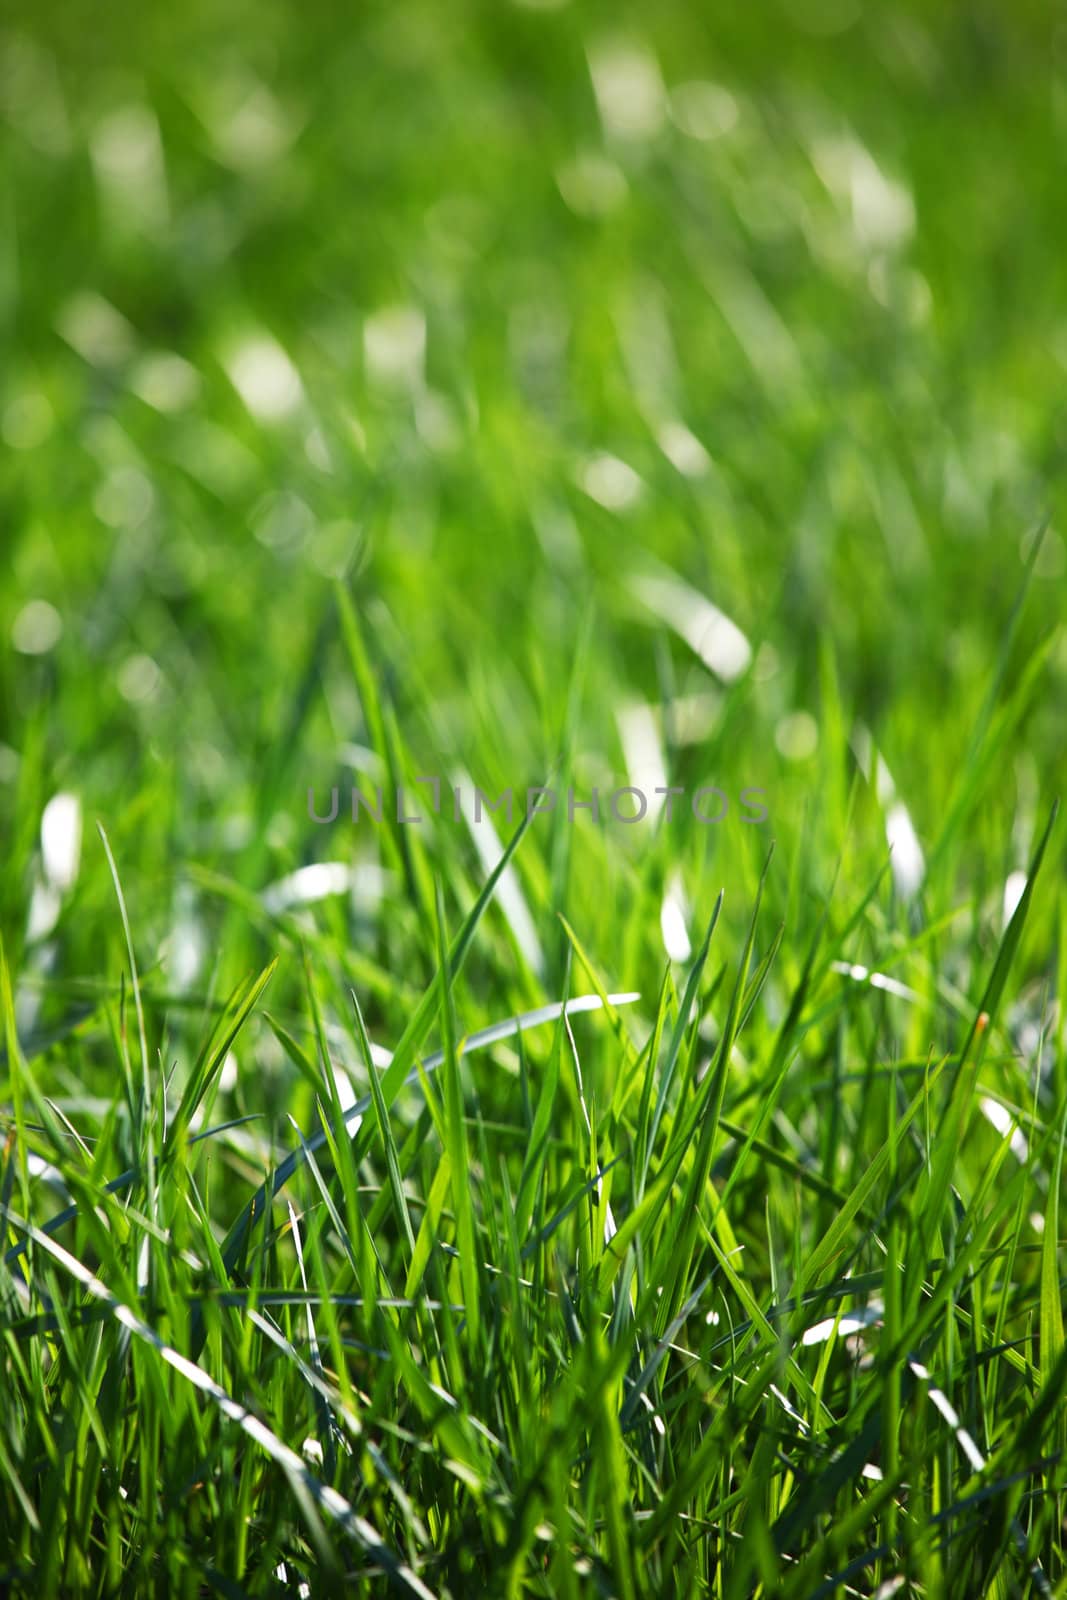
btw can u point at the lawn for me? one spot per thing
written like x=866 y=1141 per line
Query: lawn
x=533 y=917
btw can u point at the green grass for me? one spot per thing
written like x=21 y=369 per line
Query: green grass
x=383 y=396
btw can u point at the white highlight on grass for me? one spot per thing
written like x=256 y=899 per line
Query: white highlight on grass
x=45 y=1172
x=683 y=449
x=1002 y=1120
x=797 y=736
x=91 y=326
x=45 y=906
x=228 y=1074
x=257 y=133
x=707 y=631
x=188 y=942
x=394 y=346
x=37 y=628
x=127 y=156
x=361 y=757
x=346 y=1094
x=139 y=679
x=264 y=377
x=281 y=1572
x=165 y=381
x=674 y=918
x=509 y=893
x=854 y=1321
x=282 y=520
x=877 y=980
x=610 y=482
x=788 y=1407
x=891 y=1586
x=941 y=1403
x=321 y=879
x=702 y=110
x=61 y=841
x=628 y=87
x=437 y=421
x=882 y=209
x=693 y=716
x=250 y=127
x=907 y=861
x=124 y=498
x=591 y=185
x=909 y=865
x=642 y=751
x=1013 y=893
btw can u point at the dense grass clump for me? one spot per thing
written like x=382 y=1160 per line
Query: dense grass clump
x=558 y=1201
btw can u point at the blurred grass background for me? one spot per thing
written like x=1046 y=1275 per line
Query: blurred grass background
x=480 y=311
x=490 y=313
x=285 y=293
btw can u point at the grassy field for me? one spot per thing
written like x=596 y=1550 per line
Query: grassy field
x=554 y=397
